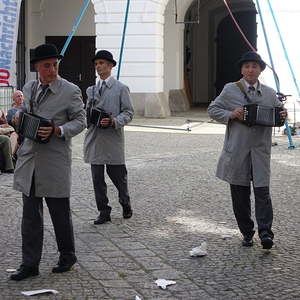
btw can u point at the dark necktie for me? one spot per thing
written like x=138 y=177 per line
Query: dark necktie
x=44 y=88
x=102 y=88
x=251 y=90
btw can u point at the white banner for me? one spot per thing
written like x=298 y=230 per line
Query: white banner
x=9 y=21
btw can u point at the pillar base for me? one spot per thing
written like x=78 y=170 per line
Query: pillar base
x=151 y=105
x=178 y=101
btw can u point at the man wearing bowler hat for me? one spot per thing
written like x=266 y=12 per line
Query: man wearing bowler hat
x=108 y=100
x=247 y=150
x=43 y=170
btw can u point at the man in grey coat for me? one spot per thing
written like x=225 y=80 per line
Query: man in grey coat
x=109 y=100
x=43 y=170
x=247 y=150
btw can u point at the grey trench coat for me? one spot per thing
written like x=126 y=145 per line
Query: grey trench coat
x=51 y=162
x=106 y=146
x=246 y=149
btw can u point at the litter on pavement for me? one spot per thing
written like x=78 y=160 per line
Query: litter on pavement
x=163 y=283
x=199 y=251
x=36 y=292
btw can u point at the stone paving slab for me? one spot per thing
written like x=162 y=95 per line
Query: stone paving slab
x=178 y=203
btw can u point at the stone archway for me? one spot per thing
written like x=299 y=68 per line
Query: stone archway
x=153 y=59
x=205 y=59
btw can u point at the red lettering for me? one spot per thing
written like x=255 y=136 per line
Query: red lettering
x=4 y=76
x=4 y=82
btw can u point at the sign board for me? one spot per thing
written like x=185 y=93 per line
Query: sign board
x=9 y=21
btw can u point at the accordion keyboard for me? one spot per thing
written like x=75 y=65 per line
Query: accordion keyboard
x=30 y=126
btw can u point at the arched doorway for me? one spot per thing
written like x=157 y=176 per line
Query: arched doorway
x=230 y=46
x=212 y=47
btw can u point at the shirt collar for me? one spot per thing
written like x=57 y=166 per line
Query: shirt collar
x=52 y=85
x=256 y=85
x=106 y=80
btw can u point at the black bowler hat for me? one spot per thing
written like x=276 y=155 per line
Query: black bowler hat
x=44 y=51
x=251 y=56
x=104 y=54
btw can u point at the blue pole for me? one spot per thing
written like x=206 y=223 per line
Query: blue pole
x=74 y=28
x=284 y=48
x=288 y=130
x=268 y=45
x=123 y=39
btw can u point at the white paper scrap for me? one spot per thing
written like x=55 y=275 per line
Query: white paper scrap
x=11 y=270
x=138 y=298
x=36 y=292
x=199 y=251
x=163 y=283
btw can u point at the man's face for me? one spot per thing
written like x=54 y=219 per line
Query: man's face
x=103 y=68
x=48 y=69
x=251 y=71
x=18 y=98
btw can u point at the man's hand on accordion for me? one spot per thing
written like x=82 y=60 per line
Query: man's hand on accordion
x=107 y=122
x=283 y=114
x=238 y=113
x=45 y=132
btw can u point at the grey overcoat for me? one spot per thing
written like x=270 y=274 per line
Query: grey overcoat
x=106 y=146
x=244 y=147
x=51 y=162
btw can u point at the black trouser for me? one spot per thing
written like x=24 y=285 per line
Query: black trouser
x=242 y=210
x=118 y=175
x=32 y=227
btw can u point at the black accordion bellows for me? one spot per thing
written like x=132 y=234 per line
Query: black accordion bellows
x=96 y=115
x=262 y=115
x=29 y=125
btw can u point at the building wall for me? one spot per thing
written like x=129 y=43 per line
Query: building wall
x=153 y=61
x=54 y=18
x=173 y=49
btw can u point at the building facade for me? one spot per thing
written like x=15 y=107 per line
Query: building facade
x=175 y=56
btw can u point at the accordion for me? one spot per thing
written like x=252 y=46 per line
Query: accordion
x=29 y=125
x=97 y=115
x=262 y=115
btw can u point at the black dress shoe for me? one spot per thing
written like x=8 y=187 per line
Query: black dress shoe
x=102 y=219
x=127 y=212
x=247 y=242
x=64 y=264
x=267 y=242
x=25 y=272
x=10 y=171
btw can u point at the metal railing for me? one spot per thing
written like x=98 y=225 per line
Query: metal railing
x=6 y=97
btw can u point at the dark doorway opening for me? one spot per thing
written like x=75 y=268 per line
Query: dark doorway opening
x=76 y=66
x=230 y=46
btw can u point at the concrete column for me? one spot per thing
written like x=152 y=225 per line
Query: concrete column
x=142 y=66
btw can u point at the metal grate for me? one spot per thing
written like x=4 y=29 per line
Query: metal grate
x=6 y=97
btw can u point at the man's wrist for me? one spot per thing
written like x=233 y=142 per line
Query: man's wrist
x=57 y=131
x=113 y=123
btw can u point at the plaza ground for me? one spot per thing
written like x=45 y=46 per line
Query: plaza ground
x=178 y=204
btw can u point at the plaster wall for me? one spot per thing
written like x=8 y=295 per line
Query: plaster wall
x=54 y=18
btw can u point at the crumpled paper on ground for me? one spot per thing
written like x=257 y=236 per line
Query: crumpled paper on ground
x=199 y=251
x=163 y=283
x=36 y=292
x=11 y=270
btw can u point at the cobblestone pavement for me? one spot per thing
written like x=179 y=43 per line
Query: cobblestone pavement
x=178 y=203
